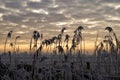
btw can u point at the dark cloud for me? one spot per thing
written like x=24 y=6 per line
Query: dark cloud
x=13 y=5
x=12 y=18
x=2 y=10
x=34 y=5
x=58 y=18
x=109 y=1
x=38 y=5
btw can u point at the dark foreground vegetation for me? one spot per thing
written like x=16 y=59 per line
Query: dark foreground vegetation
x=62 y=61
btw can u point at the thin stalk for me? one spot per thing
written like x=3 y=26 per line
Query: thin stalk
x=30 y=45
x=5 y=45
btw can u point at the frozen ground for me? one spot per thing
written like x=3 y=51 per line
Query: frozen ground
x=59 y=67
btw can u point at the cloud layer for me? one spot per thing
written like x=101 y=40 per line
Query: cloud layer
x=49 y=16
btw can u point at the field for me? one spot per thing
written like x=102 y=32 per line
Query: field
x=62 y=62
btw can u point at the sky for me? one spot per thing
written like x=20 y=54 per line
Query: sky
x=50 y=16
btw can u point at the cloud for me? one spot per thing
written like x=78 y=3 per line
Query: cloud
x=13 y=5
x=12 y=18
x=49 y=16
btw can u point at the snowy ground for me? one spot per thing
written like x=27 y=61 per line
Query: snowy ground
x=59 y=67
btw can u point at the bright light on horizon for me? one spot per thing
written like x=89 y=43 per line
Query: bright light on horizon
x=89 y=47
